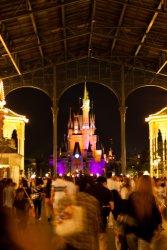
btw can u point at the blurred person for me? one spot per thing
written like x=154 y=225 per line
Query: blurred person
x=71 y=187
x=120 y=201
x=21 y=209
x=117 y=209
x=103 y=195
x=48 y=200
x=160 y=194
x=9 y=193
x=119 y=181
x=25 y=184
x=125 y=188
x=2 y=185
x=132 y=182
x=143 y=209
x=61 y=187
x=7 y=239
x=111 y=181
x=111 y=185
x=84 y=181
x=100 y=191
x=37 y=191
x=85 y=235
x=114 y=182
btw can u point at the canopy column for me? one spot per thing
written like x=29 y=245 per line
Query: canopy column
x=55 y=110
x=122 y=110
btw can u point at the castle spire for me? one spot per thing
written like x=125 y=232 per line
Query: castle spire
x=70 y=125
x=98 y=145
x=102 y=153
x=92 y=107
x=80 y=105
x=86 y=96
x=2 y=96
x=92 y=116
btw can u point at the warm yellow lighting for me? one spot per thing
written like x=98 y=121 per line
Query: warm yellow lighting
x=159 y=115
x=13 y=116
x=18 y=119
x=4 y=166
x=98 y=152
x=146 y=173
x=157 y=124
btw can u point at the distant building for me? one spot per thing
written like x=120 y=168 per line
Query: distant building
x=81 y=149
x=12 y=136
x=158 y=142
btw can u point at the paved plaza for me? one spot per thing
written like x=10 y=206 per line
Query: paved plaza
x=40 y=236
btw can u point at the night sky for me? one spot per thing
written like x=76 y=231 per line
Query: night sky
x=36 y=105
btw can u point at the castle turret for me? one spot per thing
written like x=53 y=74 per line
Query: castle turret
x=70 y=123
x=85 y=109
x=98 y=150
x=85 y=118
x=76 y=124
x=64 y=147
x=89 y=152
x=92 y=121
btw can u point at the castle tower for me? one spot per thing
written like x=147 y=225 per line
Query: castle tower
x=82 y=141
x=92 y=121
x=85 y=108
x=70 y=123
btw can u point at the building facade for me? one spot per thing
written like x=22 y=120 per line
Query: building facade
x=12 y=136
x=158 y=143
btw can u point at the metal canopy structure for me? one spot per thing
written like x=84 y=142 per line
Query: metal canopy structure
x=89 y=38
x=54 y=44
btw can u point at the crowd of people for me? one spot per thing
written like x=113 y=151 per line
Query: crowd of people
x=82 y=210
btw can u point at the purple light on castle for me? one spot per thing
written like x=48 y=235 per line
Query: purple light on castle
x=96 y=168
x=51 y=162
x=61 y=168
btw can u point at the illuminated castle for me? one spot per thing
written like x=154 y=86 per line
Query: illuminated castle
x=12 y=136
x=81 y=149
